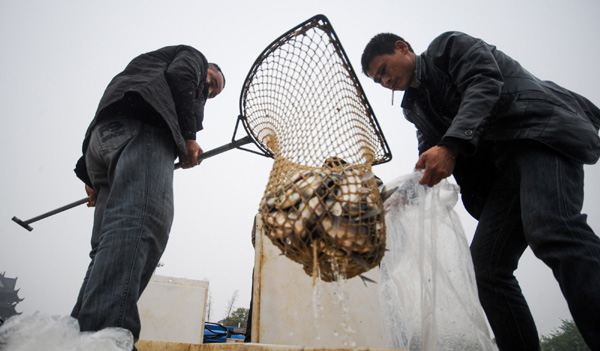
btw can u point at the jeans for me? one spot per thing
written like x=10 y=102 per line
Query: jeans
x=536 y=201
x=130 y=164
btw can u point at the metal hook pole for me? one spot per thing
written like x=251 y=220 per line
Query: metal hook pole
x=234 y=144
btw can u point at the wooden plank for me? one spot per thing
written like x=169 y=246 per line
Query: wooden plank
x=147 y=345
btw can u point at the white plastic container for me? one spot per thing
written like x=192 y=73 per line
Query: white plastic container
x=173 y=309
x=288 y=310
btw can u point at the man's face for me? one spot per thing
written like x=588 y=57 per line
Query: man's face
x=394 y=71
x=215 y=83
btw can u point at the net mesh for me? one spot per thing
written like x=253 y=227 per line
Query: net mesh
x=304 y=105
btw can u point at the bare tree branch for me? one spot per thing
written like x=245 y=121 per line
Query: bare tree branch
x=231 y=303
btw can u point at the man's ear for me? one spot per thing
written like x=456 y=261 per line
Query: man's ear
x=402 y=46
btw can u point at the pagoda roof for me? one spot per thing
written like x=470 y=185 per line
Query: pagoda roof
x=7 y=284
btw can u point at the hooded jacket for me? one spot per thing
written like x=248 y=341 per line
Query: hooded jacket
x=167 y=86
x=470 y=95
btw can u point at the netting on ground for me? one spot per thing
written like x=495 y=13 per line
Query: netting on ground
x=303 y=104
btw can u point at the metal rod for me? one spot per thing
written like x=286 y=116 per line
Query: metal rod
x=25 y=224
x=234 y=144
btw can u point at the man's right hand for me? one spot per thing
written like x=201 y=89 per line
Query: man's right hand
x=438 y=162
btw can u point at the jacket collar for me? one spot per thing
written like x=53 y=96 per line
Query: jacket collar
x=420 y=69
x=411 y=94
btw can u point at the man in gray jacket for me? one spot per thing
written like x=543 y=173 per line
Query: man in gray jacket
x=149 y=114
x=516 y=145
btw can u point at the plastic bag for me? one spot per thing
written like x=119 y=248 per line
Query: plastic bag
x=427 y=290
x=59 y=333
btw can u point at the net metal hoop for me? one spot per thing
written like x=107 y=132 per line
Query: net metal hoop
x=253 y=117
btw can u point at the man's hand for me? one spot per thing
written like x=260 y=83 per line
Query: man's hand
x=191 y=159
x=92 y=194
x=439 y=162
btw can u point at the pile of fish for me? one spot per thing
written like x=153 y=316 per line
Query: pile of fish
x=332 y=212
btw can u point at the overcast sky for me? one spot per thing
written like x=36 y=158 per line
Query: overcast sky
x=58 y=56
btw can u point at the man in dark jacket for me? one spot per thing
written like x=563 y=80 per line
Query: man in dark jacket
x=149 y=114
x=516 y=146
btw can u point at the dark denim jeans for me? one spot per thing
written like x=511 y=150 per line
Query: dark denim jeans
x=536 y=201
x=130 y=164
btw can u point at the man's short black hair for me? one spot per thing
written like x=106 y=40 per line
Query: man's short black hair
x=381 y=44
x=216 y=67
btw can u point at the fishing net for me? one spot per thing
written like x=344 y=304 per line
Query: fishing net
x=303 y=104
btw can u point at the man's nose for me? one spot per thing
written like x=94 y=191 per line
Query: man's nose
x=386 y=82
x=212 y=92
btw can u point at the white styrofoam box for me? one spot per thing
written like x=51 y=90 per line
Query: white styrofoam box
x=289 y=310
x=172 y=309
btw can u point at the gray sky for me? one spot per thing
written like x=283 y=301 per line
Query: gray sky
x=57 y=58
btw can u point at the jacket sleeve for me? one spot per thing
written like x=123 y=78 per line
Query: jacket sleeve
x=81 y=171
x=471 y=67
x=186 y=76
x=424 y=145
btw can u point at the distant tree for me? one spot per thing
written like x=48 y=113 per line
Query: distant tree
x=566 y=338
x=209 y=305
x=231 y=303
x=238 y=318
